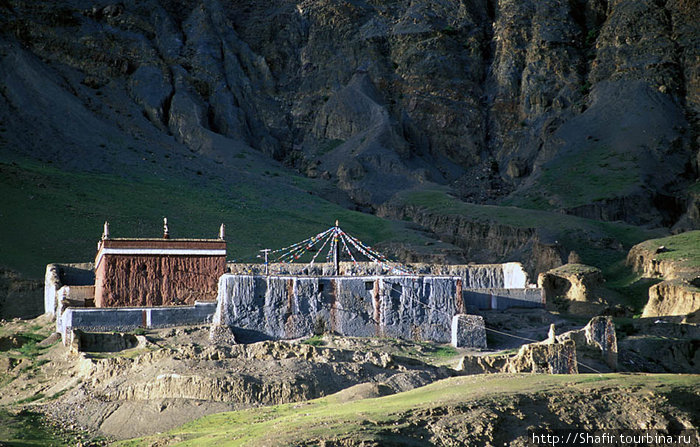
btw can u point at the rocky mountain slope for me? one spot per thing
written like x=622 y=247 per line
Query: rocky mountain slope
x=585 y=107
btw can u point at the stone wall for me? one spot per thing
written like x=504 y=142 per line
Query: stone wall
x=501 y=299
x=474 y=276
x=126 y=319
x=468 y=331
x=59 y=275
x=284 y=307
x=598 y=336
x=549 y=357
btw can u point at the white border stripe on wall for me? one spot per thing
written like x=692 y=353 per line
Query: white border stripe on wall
x=158 y=251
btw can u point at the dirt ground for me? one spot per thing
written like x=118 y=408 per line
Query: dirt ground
x=171 y=376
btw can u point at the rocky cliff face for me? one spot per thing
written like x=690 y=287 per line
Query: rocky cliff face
x=483 y=95
x=675 y=261
x=582 y=107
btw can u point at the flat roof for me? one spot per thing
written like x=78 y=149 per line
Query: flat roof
x=159 y=247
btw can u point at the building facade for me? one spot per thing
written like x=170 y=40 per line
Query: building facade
x=157 y=272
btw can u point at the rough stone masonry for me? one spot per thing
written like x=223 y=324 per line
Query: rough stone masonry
x=284 y=307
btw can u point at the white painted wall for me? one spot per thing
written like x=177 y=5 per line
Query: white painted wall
x=514 y=276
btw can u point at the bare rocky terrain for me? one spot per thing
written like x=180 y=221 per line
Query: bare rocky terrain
x=96 y=387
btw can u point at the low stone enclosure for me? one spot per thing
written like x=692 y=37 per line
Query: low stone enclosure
x=302 y=303
x=130 y=318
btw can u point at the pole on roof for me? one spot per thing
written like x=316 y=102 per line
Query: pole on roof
x=336 y=258
x=222 y=232
x=266 y=252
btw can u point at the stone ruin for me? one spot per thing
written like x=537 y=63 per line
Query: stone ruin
x=595 y=343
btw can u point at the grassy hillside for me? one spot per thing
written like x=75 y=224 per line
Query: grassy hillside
x=53 y=215
x=464 y=408
x=595 y=241
x=582 y=177
x=683 y=249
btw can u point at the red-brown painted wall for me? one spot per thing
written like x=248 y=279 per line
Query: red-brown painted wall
x=129 y=280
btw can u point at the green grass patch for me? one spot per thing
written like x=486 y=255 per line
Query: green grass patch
x=445 y=352
x=683 y=249
x=58 y=394
x=53 y=215
x=27 y=429
x=29 y=399
x=582 y=177
x=575 y=269
x=327 y=419
x=329 y=146
x=316 y=340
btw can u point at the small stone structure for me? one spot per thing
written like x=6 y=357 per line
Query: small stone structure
x=468 y=331
x=72 y=276
x=283 y=307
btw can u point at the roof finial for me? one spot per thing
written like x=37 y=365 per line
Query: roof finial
x=222 y=232
x=105 y=231
x=336 y=222
x=166 y=232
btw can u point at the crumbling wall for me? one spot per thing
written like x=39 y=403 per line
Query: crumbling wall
x=59 y=275
x=283 y=307
x=598 y=337
x=548 y=357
